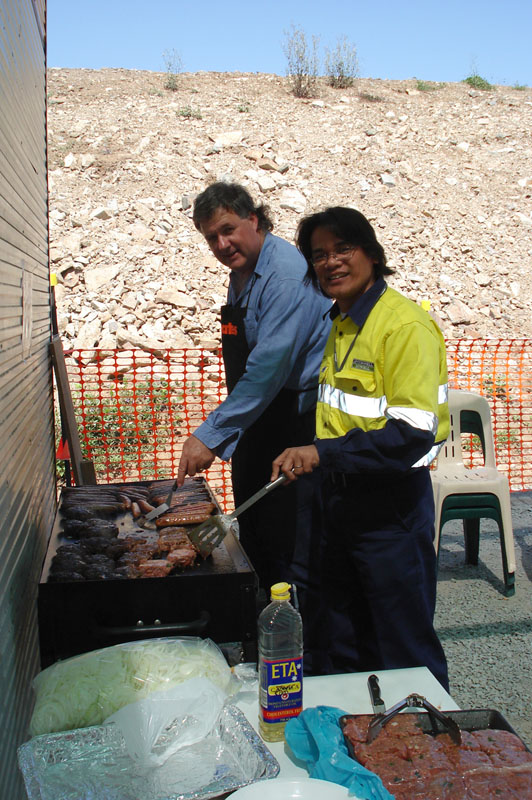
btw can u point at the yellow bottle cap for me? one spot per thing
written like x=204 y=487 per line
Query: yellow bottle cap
x=280 y=591
x=425 y=305
x=53 y=279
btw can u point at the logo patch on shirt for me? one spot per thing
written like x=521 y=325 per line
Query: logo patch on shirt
x=368 y=366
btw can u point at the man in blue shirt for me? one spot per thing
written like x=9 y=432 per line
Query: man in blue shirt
x=274 y=329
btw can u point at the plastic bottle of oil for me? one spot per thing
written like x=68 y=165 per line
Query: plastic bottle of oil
x=280 y=635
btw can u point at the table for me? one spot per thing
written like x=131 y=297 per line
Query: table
x=350 y=693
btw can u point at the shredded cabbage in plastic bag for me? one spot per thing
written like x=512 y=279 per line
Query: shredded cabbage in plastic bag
x=86 y=689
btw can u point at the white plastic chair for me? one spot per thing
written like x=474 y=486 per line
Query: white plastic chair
x=470 y=494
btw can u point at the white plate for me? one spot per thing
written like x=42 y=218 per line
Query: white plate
x=286 y=789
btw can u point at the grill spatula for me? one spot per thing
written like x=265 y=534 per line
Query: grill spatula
x=207 y=536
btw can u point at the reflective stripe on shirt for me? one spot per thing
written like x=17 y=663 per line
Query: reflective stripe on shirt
x=424 y=420
x=351 y=404
x=429 y=457
x=375 y=407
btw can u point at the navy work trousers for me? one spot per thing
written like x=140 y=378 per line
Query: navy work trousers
x=282 y=534
x=380 y=574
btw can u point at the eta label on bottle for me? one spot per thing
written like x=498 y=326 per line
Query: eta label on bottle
x=281 y=689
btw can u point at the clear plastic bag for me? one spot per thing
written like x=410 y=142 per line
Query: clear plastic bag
x=86 y=689
x=94 y=764
x=157 y=726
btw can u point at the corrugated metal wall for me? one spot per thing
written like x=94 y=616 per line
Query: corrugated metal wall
x=27 y=487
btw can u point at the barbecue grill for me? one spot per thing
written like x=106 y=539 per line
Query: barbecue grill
x=216 y=598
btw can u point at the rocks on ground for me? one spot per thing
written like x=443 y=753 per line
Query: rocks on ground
x=445 y=176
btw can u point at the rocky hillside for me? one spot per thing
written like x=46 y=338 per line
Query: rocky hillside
x=444 y=172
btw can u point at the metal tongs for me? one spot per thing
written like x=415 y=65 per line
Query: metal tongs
x=414 y=701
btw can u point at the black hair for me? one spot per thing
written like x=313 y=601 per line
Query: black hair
x=349 y=225
x=233 y=197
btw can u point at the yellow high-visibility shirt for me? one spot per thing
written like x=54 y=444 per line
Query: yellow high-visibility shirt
x=393 y=367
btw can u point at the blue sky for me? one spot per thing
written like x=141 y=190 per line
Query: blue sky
x=432 y=41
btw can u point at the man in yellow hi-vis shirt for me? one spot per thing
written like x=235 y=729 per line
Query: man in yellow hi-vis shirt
x=382 y=416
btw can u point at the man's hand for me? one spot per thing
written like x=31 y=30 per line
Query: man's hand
x=294 y=461
x=195 y=457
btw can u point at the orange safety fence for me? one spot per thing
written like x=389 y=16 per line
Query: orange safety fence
x=501 y=371
x=135 y=408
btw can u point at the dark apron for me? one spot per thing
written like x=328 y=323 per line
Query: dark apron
x=267 y=530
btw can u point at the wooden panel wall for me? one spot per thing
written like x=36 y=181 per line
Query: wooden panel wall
x=27 y=483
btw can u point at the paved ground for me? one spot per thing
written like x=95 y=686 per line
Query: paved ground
x=488 y=637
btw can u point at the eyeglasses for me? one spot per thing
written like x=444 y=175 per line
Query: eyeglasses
x=342 y=253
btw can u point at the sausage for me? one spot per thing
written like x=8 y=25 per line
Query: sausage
x=92 y=509
x=144 y=506
x=191 y=508
x=125 y=499
x=82 y=498
x=134 y=494
x=200 y=513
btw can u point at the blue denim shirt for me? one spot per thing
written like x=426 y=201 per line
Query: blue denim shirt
x=287 y=326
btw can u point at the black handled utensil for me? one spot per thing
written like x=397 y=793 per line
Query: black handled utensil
x=375 y=695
